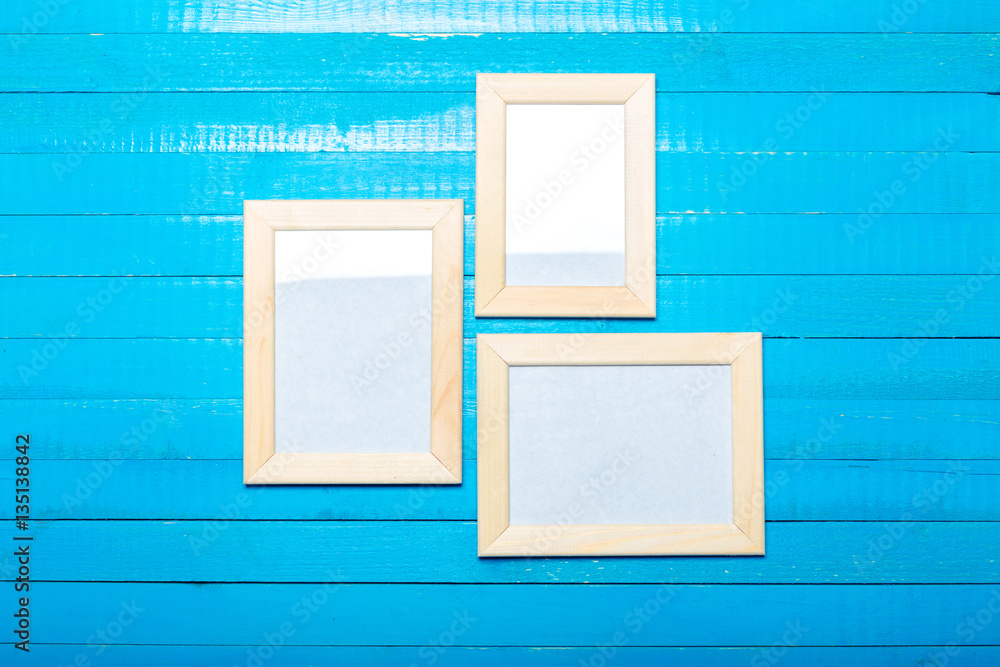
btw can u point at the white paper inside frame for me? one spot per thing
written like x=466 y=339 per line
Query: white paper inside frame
x=565 y=194
x=352 y=341
x=620 y=445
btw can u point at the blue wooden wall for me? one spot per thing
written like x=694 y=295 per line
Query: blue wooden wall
x=827 y=173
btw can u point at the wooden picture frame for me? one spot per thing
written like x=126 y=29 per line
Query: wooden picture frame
x=637 y=298
x=442 y=464
x=498 y=352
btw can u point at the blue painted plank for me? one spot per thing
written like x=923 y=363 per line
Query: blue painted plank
x=515 y=615
x=816 y=121
x=122 y=244
x=445 y=552
x=776 y=244
x=28 y=17
x=802 y=369
x=435 y=122
x=797 y=490
x=841 y=428
x=116 y=655
x=122 y=307
x=796 y=306
x=214 y=490
x=413 y=62
x=867 y=183
x=851 y=243
x=779 y=306
x=212 y=183
x=874 y=429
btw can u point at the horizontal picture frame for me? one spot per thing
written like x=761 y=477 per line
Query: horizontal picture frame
x=739 y=354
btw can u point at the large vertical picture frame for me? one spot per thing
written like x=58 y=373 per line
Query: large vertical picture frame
x=494 y=296
x=738 y=354
x=442 y=462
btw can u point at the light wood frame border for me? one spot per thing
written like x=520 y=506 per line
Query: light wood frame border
x=637 y=298
x=443 y=463
x=497 y=352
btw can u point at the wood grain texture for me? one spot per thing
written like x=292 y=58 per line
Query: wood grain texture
x=797 y=428
x=566 y=301
x=314 y=468
x=748 y=244
x=588 y=349
x=705 y=16
x=622 y=540
x=726 y=62
x=429 y=552
x=686 y=182
x=494 y=298
x=499 y=538
x=795 y=490
x=222 y=122
x=807 y=369
x=788 y=307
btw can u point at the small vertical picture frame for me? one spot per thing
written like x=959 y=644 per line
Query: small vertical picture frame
x=565 y=195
